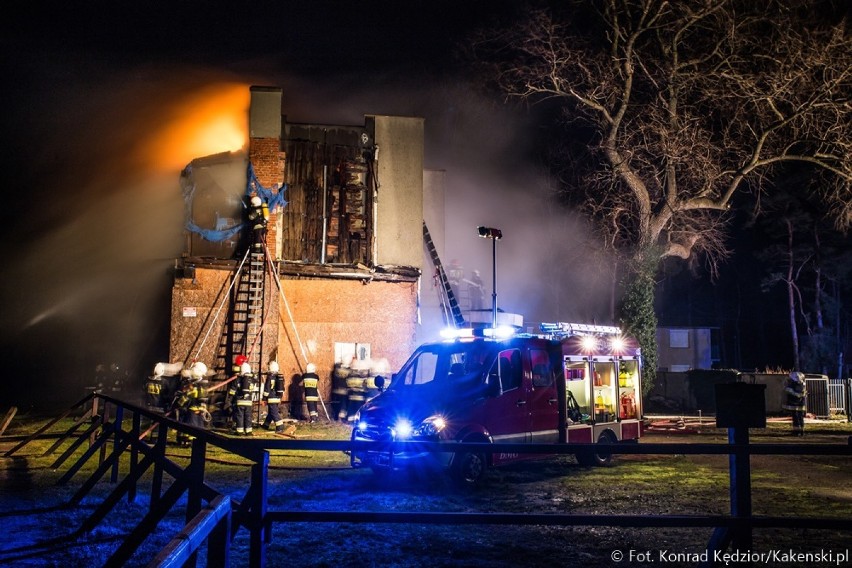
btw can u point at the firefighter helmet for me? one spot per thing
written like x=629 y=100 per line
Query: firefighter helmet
x=159 y=369
x=199 y=369
x=797 y=376
x=256 y=202
x=273 y=367
x=240 y=359
x=245 y=369
x=311 y=368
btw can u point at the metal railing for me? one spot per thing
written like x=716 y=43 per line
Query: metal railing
x=838 y=397
x=226 y=517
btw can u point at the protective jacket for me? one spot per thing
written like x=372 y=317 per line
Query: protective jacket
x=310 y=382
x=258 y=217
x=274 y=391
x=244 y=392
x=795 y=395
x=191 y=401
x=273 y=394
x=153 y=391
x=355 y=396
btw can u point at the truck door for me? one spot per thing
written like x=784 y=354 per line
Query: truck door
x=543 y=401
x=507 y=413
x=604 y=393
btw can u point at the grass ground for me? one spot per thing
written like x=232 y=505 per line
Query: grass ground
x=40 y=531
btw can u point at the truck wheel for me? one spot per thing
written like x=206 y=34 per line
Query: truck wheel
x=469 y=468
x=594 y=458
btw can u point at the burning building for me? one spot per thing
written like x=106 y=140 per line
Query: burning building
x=339 y=275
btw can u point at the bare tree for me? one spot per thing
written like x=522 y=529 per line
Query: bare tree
x=688 y=103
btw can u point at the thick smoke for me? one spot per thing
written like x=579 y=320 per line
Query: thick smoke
x=548 y=266
x=97 y=231
x=99 y=225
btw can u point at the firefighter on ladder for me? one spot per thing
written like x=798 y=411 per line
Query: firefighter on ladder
x=272 y=394
x=244 y=393
x=258 y=216
x=310 y=382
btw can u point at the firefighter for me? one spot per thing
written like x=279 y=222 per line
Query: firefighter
x=339 y=391
x=310 y=382
x=100 y=377
x=197 y=414
x=476 y=291
x=378 y=367
x=797 y=393
x=116 y=380
x=192 y=401
x=170 y=384
x=154 y=389
x=272 y=394
x=258 y=216
x=354 y=394
x=177 y=404
x=455 y=274
x=244 y=393
x=238 y=363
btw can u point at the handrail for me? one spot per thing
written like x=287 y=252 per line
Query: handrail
x=215 y=517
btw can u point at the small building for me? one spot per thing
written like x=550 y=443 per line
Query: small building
x=341 y=273
x=680 y=349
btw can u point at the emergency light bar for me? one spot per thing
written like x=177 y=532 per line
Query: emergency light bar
x=500 y=332
x=563 y=328
x=453 y=333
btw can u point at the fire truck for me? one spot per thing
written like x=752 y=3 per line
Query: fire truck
x=572 y=383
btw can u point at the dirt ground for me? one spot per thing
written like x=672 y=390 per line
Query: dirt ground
x=39 y=530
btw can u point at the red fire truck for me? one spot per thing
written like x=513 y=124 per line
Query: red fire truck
x=572 y=383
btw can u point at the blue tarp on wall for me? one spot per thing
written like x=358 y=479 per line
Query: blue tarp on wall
x=273 y=200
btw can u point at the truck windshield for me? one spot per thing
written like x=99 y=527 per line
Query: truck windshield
x=444 y=361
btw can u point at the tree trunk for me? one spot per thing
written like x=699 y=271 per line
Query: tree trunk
x=791 y=297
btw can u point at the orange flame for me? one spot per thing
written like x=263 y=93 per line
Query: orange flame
x=208 y=121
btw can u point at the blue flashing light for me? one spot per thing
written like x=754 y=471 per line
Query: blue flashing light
x=449 y=333
x=500 y=332
x=362 y=426
x=452 y=333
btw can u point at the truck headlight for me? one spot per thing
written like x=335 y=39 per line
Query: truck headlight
x=432 y=426
x=402 y=429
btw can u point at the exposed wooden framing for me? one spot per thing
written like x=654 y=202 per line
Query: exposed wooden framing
x=349 y=204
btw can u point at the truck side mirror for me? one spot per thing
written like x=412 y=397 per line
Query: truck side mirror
x=380 y=382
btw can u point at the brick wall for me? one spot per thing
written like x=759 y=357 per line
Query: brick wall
x=324 y=311
x=268 y=161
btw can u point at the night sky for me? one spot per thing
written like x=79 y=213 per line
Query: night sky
x=92 y=211
x=88 y=85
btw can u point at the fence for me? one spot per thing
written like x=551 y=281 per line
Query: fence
x=220 y=520
x=838 y=396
